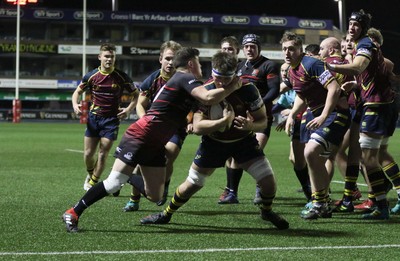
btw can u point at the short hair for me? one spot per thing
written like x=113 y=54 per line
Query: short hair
x=184 y=55
x=232 y=40
x=290 y=36
x=172 y=45
x=224 y=62
x=108 y=47
x=312 y=48
x=375 y=35
x=363 y=18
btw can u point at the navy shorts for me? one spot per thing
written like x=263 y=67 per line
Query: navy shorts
x=179 y=137
x=380 y=120
x=213 y=154
x=335 y=126
x=304 y=132
x=99 y=127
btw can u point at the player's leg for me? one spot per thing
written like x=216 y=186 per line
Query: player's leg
x=194 y=182
x=90 y=147
x=134 y=199
x=260 y=169
x=119 y=175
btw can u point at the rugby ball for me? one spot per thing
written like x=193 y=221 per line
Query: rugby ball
x=217 y=112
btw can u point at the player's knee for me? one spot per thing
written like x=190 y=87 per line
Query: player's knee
x=260 y=169
x=114 y=181
x=326 y=145
x=369 y=142
x=196 y=178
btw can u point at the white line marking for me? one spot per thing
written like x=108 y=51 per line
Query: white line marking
x=207 y=250
x=342 y=182
x=71 y=150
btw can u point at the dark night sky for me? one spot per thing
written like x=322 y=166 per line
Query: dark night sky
x=385 y=13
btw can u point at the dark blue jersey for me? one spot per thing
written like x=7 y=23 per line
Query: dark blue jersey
x=374 y=80
x=247 y=98
x=152 y=84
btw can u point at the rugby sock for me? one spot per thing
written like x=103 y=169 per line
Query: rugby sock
x=93 y=180
x=176 y=202
x=92 y=195
x=234 y=176
x=320 y=197
x=304 y=179
x=267 y=200
x=134 y=198
x=393 y=172
x=376 y=179
x=350 y=182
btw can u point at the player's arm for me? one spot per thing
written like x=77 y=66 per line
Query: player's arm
x=214 y=96
x=274 y=89
x=124 y=113
x=142 y=105
x=359 y=64
x=298 y=106
x=202 y=125
x=331 y=101
x=254 y=121
x=76 y=100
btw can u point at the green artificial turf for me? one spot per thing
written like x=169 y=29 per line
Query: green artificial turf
x=42 y=174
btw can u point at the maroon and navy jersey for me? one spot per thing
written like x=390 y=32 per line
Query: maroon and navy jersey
x=106 y=90
x=246 y=98
x=309 y=79
x=174 y=101
x=264 y=74
x=374 y=80
x=152 y=84
x=338 y=59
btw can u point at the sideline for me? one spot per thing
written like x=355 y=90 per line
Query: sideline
x=207 y=250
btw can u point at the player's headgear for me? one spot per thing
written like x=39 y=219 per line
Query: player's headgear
x=363 y=18
x=252 y=38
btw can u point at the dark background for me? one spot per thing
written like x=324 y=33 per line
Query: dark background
x=385 y=13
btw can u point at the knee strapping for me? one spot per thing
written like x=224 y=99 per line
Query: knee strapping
x=114 y=181
x=324 y=143
x=260 y=169
x=196 y=178
x=369 y=143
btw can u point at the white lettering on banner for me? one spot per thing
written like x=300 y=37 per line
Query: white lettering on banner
x=29 y=83
x=78 y=49
x=313 y=24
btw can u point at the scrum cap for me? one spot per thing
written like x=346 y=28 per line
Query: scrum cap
x=254 y=39
x=251 y=38
x=363 y=18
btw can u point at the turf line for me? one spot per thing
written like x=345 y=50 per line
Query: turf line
x=71 y=150
x=208 y=250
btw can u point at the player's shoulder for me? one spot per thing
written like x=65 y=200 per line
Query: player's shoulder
x=309 y=62
x=365 y=43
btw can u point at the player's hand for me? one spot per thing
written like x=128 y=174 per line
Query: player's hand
x=315 y=123
x=289 y=126
x=77 y=109
x=243 y=123
x=189 y=128
x=123 y=114
x=348 y=86
x=281 y=126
